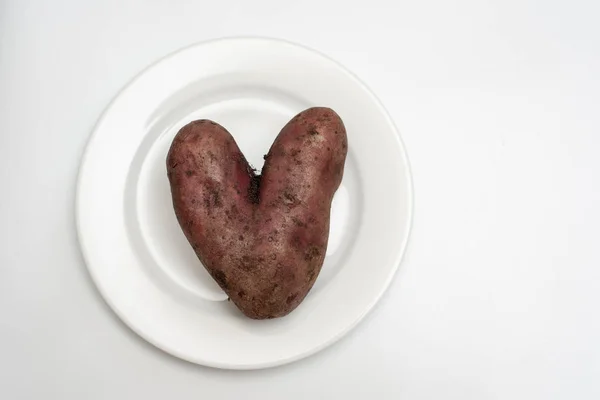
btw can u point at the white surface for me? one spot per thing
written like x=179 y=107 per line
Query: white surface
x=130 y=237
x=497 y=103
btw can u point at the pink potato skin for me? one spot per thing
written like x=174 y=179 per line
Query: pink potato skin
x=262 y=238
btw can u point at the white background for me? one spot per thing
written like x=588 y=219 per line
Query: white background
x=498 y=103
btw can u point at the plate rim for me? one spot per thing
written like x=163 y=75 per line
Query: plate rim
x=402 y=245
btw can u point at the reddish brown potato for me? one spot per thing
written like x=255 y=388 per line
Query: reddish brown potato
x=261 y=237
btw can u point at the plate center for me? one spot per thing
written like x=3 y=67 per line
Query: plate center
x=254 y=121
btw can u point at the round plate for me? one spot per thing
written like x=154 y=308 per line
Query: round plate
x=138 y=255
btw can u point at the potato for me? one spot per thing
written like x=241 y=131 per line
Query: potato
x=262 y=238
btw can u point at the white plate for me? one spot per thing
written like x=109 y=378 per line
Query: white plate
x=140 y=259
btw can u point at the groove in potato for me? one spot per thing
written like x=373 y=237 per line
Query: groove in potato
x=263 y=238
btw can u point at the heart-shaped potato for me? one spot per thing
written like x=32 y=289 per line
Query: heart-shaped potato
x=263 y=238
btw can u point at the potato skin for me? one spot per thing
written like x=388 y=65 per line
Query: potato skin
x=262 y=238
